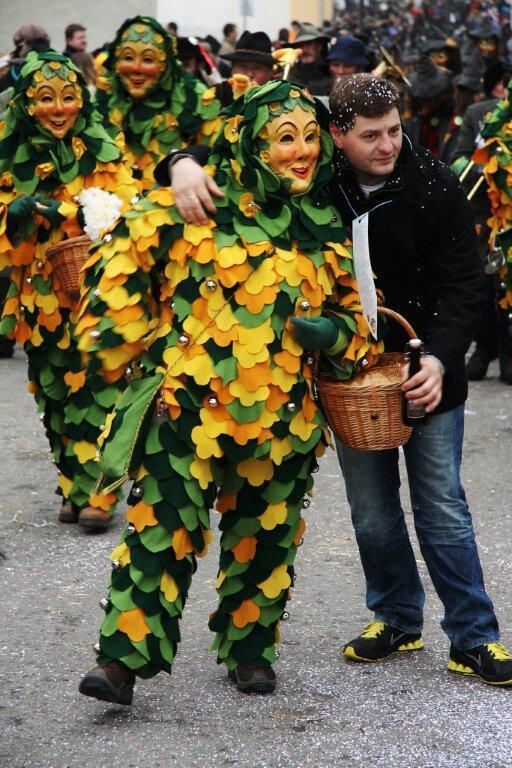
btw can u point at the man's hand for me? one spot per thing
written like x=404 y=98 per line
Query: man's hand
x=193 y=190
x=426 y=387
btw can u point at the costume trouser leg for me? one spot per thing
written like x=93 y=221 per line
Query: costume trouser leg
x=168 y=527
x=443 y=525
x=74 y=409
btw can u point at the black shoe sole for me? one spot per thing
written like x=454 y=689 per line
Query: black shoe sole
x=410 y=647
x=261 y=687
x=93 y=526
x=98 y=688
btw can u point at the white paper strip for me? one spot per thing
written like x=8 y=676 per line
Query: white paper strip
x=364 y=274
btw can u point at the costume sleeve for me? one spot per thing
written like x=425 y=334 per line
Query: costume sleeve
x=354 y=343
x=118 y=310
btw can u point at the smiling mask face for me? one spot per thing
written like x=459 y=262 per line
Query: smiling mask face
x=140 y=59
x=55 y=103
x=292 y=147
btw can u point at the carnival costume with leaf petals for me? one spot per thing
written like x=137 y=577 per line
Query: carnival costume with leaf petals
x=496 y=158
x=37 y=312
x=177 y=111
x=236 y=420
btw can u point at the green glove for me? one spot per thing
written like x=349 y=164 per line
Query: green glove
x=20 y=209
x=315 y=332
x=20 y=218
x=50 y=210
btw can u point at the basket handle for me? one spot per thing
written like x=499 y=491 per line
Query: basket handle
x=393 y=315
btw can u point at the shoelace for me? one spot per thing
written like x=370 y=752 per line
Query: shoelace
x=498 y=651
x=373 y=629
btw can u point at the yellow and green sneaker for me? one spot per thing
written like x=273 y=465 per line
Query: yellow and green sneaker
x=378 y=641
x=491 y=662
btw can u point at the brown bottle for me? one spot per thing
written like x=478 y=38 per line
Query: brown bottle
x=413 y=414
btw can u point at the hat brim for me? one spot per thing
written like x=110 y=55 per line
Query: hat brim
x=258 y=56
x=308 y=39
x=356 y=61
x=430 y=90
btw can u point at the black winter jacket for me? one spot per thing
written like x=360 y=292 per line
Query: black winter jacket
x=423 y=249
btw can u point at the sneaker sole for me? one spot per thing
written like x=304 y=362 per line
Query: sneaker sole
x=462 y=669
x=351 y=655
x=97 y=688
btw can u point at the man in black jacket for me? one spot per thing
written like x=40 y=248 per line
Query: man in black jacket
x=423 y=250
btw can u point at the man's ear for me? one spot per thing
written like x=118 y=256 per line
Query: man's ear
x=337 y=135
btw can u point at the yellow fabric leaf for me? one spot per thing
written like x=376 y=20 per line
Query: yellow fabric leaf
x=256 y=471
x=133 y=624
x=275 y=514
x=169 y=587
x=84 y=450
x=278 y=580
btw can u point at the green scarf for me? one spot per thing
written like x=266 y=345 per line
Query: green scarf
x=25 y=144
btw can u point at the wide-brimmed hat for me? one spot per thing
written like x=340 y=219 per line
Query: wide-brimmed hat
x=29 y=37
x=429 y=80
x=350 y=50
x=471 y=76
x=484 y=30
x=252 y=46
x=438 y=44
x=498 y=70
x=306 y=33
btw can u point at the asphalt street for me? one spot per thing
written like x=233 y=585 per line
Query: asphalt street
x=408 y=712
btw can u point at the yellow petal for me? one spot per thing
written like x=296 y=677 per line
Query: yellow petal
x=169 y=587
x=278 y=580
x=84 y=450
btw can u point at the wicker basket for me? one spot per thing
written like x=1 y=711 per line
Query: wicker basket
x=67 y=259
x=366 y=411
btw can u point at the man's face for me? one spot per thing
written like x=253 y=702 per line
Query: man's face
x=342 y=68
x=372 y=146
x=79 y=40
x=311 y=51
x=440 y=57
x=292 y=147
x=254 y=70
x=487 y=47
x=55 y=104
x=139 y=66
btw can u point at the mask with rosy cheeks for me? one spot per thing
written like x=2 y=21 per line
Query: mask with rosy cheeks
x=487 y=46
x=55 y=103
x=291 y=147
x=440 y=58
x=139 y=63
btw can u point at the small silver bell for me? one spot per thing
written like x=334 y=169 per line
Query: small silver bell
x=95 y=334
x=107 y=238
x=309 y=360
x=104 y=604
x=277 y=654
x=142 y=368
x=305 y=305
x=291 y=407
x=183 y=340
x=131 y=529
x=212 y=400
x=306 y=503
x=97 y=648
x=134 y=200
x=137 y=491
x=116 y=564
x=128 y=372
x=301 y=542
x=364 y=362
x=285 y=616
x=41 y=417
x=39 y=265
x=28 y=280
x=334 y=219
x=96 y=292
x=211 y=284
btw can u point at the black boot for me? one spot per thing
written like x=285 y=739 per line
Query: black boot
x=506 y=367
x=478 y=363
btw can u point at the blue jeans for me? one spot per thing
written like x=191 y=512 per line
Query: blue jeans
x=443 y=526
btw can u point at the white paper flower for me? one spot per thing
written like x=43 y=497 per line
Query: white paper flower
x=101 y=210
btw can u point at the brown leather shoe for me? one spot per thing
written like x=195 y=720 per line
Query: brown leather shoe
x=112 y=682
x=68 y=513
x=93 y=519
x=252 y=679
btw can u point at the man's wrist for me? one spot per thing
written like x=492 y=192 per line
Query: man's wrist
x=176 y=156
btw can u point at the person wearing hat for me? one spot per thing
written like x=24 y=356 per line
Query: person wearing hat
x=252 y=58
x=492 y=338
x=28 y=38
x=312 y=69
x=346 y=57
x=486 y=38
x=432 y=125
x=444 y=52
